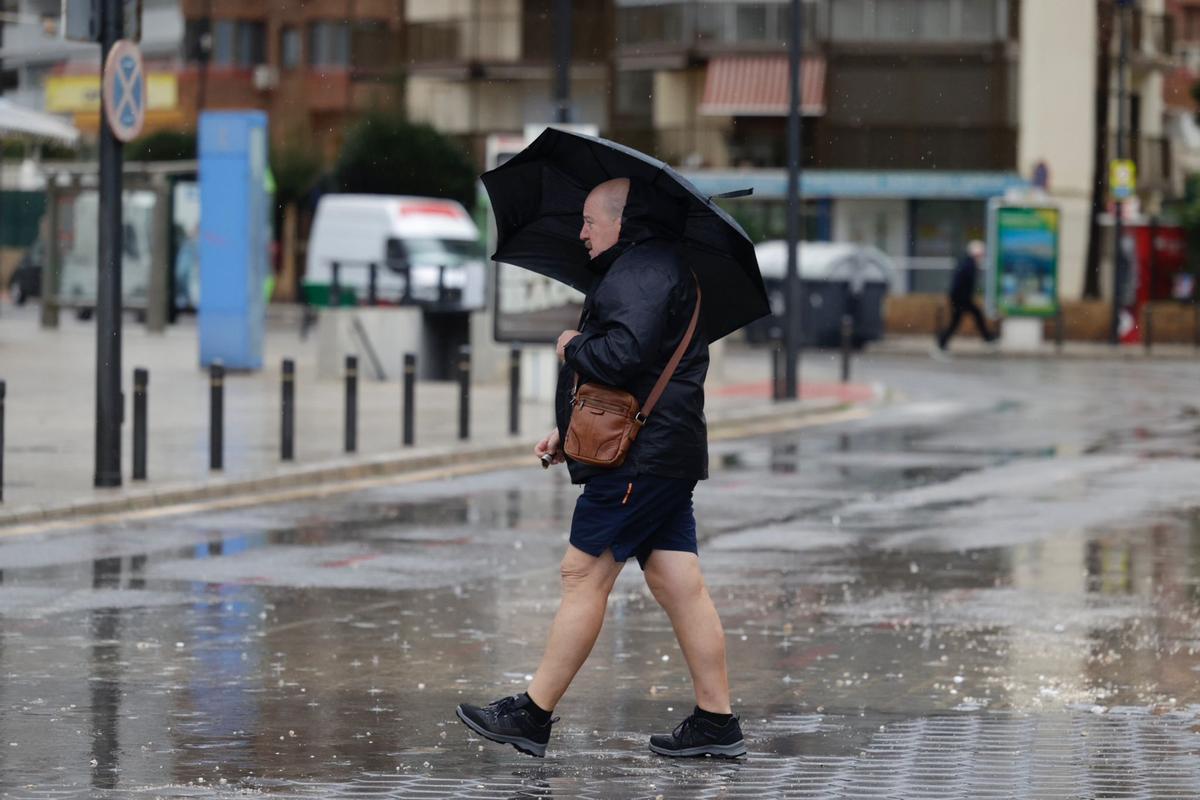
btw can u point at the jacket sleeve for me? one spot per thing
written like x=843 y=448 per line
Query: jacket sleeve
x=630 y=317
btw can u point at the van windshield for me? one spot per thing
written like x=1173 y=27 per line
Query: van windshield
x=444 y=252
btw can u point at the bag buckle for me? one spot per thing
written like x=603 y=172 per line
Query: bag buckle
x=639 y=418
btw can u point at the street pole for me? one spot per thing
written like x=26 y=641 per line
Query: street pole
x=108 y=285
x=791 y=335
x=1114 y=333
x=562 y=61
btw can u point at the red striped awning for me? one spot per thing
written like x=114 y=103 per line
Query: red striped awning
x=757 y=86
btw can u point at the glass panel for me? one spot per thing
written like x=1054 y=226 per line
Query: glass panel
x=251 y=44
x=933 y=20
x=847 y=20
x=979 y=19
x=895 y=19
x=289 y=48
x=634 y=93
x=222 y=55
x=752 y=22
x=329 y=44
x=712 y=22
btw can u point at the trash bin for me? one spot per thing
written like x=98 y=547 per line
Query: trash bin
x=837 y=278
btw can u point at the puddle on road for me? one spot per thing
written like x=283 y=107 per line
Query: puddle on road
x=320 y=648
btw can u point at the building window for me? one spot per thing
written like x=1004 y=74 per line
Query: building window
x=289 y=47
x=917 y=20
x=635 y=90
x=225 y=42
x=752 y=22
x=329 y=44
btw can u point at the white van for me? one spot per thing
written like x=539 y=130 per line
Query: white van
x=432 y=243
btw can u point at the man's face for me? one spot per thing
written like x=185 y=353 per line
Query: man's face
x=600 y=228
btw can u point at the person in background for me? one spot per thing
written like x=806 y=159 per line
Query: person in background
x=962 y=297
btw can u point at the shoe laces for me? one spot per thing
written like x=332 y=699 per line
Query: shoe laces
x=505 y=705
x=684 y=728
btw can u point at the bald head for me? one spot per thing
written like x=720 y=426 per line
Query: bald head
x=602 y=215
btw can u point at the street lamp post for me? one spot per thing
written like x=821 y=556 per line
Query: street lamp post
x=108 y=285
x=792 y=282
x=1119 y=265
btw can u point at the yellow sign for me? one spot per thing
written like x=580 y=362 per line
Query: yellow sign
x=1122 y=178
x=69 y=94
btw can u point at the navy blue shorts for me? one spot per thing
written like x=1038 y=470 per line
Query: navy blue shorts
x=633 y=515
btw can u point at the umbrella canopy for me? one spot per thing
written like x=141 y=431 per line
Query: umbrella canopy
x=25 y=123
x=538 y=195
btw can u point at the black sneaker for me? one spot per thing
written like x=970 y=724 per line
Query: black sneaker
x=696 y=736
x=508 y=721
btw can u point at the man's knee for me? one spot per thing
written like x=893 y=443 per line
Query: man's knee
x=580 y=572
x=673 y=578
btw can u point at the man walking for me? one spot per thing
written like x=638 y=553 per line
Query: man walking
x=962 y=296
x=635 y=318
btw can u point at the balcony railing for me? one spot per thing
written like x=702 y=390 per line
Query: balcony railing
x=525 y=38
x=916 y=147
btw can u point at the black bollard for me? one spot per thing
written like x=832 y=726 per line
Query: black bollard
x=373 y=285
x=287 y=437
x=777 y=357
x=216 y=416
x=351 y=404
x=514 y=390
x=1147 y=328
x=335 y=289
x=410 y=391
x=847 y=345
x=141 y=384
x=464 y=392
x=1 y=441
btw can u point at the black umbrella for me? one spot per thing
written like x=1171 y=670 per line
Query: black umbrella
x=537 y=197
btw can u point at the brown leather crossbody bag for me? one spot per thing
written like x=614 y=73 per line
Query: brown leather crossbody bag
x=606 y=420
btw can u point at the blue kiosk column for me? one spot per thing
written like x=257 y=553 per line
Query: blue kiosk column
x=234 y=237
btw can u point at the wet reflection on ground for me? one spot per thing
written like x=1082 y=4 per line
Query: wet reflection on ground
x=929 y=603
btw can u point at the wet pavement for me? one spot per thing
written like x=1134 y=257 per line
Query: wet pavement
x=990 y=588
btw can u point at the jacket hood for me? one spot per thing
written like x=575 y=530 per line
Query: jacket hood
x=649 y=214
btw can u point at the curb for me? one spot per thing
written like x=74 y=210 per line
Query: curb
x=724 y=426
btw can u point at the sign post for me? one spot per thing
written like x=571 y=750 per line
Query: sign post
x=123 y=109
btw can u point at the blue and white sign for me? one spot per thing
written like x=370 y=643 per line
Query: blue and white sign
x=124 y=90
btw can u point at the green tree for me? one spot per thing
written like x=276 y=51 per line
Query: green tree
x=386 y=154
x=163 y=146
x=296 y=170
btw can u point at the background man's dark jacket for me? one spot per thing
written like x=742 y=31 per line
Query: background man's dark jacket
x=962 y=283
x=634 y=318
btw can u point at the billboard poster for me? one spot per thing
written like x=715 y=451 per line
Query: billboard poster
x=1023 y=260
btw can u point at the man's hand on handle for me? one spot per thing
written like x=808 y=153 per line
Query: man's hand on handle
x=550 y=446
x=563 y=339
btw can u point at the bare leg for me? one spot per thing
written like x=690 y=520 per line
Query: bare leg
x=675 y=580
x=586 y=582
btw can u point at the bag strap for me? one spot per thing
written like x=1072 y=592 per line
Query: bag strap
x=661 y=385
x=673 y=364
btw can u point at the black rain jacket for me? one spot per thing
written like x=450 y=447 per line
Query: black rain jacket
x=634 y=317
x=962 y=282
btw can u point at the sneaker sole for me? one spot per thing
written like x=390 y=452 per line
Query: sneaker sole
x=526 y=746
x=735 y=750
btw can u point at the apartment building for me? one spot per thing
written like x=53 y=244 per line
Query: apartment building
x=314 y=66
x=476 y=68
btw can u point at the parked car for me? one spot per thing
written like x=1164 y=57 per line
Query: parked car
x=26 y=280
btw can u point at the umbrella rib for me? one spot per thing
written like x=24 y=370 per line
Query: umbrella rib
x=592 y=152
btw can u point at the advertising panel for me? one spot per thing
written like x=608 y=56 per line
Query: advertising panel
x=1023 y=259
